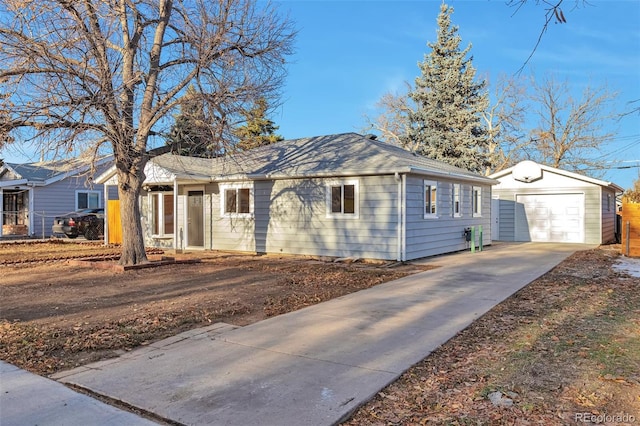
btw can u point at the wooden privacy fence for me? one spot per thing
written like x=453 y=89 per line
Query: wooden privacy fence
x=113 y=220
x=630 y=231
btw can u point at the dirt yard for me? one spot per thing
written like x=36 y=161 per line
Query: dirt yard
x=55 y=316
x=568 y=343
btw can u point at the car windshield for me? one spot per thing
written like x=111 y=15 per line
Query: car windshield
x=88 y=211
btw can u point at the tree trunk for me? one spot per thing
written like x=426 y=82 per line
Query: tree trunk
x=132 y=236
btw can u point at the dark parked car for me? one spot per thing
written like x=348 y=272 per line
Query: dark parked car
x=87 y=222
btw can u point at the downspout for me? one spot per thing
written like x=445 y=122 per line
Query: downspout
x=404 y=218
x=399 y=217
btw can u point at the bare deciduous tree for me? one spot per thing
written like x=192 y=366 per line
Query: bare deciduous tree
x=553 y=13
x=393 y=120
x=108 y=72
x=570 y=132
x=504 y=119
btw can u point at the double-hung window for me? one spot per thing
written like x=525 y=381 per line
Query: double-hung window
x=162 y=213
x=476 y=201
x=87 y=200
x=236 y=200
x=430 y=199
x=455 y=200
x=342 y=199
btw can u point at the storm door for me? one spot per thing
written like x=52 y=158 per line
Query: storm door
x=195 y=219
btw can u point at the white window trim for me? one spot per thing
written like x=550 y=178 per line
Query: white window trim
x=86 y=191
x=160 y=195
x=479 y=201
x=356 y=199
x=236 y=186
x=430 y=183
x=456 y=192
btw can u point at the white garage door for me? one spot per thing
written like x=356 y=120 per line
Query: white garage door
x=550 y=218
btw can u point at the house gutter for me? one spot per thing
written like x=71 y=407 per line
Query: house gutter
x=10 y=183
x=459 y=176
x=349 y=173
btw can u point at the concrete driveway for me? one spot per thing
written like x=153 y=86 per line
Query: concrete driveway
x=316 y=365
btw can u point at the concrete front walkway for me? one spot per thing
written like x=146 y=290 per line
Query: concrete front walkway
x=316 y=365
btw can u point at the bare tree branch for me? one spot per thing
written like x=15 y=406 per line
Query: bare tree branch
x=393 y=120
x=570 y=132
x=504 y=121
x=553 y=12
x=77 y=73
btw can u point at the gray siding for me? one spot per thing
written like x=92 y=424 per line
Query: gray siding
x=290 y=216
x=506 y=218
x=444 y=234
x=57 y=199
x=608 y=215
x=593 y=215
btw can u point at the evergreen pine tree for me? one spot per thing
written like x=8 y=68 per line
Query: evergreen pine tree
x=191 y=134
x=258 y=130
x=447 y=124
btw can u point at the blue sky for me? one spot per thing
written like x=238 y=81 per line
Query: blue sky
x=349 y=53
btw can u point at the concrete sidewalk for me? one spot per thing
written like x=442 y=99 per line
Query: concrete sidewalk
x=316 y=365
x=28 y=399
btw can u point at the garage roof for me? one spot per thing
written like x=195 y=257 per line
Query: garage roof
x=561 y=172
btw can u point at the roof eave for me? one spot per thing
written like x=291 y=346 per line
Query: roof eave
x=63 y=175
x=15 y=182
x=566 y=173
x=453 y=175
x=106 y=175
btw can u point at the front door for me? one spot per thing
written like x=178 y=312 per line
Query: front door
x=195 y=219
x=15 y=212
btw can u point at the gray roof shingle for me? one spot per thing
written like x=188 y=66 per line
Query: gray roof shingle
x=347 y=154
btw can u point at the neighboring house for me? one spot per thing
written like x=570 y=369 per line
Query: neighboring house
x=33 y=194
x=342 y=195
x=534 y=202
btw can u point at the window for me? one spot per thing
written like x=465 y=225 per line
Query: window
x=608 y=202
x=476 y=201
x=87 y=200
x=342 y=199
x=430 y=199
x=162 y=213
x=455 y=200
x=236 y=200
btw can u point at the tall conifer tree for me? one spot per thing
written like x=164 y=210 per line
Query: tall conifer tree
x=447 y=124
x=193 y=133
x=258 y=130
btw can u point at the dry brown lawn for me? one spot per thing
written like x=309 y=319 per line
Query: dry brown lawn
x=568 y=343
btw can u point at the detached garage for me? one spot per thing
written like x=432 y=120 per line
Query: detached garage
x=534 y=202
